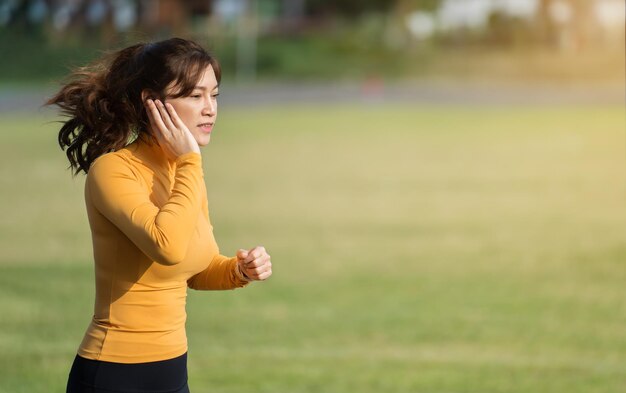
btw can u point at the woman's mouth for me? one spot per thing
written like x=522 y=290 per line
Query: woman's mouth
x=206 y=127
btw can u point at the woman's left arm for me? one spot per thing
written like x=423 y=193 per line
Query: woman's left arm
x=220 y=274
x=236 y=272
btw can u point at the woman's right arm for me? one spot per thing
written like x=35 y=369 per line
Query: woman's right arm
x=162 y=234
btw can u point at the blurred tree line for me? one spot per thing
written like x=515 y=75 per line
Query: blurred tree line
x=298 y=37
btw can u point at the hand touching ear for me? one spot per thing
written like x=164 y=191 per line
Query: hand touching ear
x=173 y=135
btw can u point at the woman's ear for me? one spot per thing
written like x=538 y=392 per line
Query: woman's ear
x=147 y=94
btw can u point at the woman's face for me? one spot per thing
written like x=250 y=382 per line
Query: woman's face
x=199 y=110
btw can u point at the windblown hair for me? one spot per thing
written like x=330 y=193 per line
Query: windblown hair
x=104 y=99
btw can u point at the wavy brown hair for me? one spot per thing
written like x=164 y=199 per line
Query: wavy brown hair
x=103 y=100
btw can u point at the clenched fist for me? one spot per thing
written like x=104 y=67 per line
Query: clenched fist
x=254 y=264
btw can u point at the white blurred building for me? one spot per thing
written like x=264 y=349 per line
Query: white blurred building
x=454 y=14
x=610 y=15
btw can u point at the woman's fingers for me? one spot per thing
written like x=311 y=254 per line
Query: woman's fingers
x=259 y=273
x=155 y=118
x=264 y=276
x=256 y=252
x=242 y=254
x=174 y=116
x=165 y=116
x=259 y=269
x=153 y=113
x=256 y=263
x=160 y=131
x=256 y=259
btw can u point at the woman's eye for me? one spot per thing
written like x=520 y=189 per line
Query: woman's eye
x=195 y=96
x=215 y=95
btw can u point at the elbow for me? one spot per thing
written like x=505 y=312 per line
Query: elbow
x=168 y=250
x=191 y=283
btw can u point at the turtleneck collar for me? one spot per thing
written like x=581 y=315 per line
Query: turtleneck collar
x=154 y=153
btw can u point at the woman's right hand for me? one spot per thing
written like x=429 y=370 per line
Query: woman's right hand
x=172 y=134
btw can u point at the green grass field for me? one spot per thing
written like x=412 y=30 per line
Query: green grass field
x=433 y=249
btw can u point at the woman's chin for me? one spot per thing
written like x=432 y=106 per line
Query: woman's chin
x=204 y=140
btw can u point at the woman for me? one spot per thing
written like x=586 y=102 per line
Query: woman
x=137 y=120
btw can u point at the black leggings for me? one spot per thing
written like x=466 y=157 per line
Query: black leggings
x=95 y=376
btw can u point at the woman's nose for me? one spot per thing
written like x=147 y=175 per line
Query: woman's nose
x=210 y=107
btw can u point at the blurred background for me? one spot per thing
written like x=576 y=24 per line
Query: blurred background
x=441 y=184
x=373 y=40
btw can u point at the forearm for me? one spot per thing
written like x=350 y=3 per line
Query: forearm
x=220 y=274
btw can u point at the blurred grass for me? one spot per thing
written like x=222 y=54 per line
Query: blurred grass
x=438 y=249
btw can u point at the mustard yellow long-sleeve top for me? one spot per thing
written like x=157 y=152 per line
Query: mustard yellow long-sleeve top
x=152 y=237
